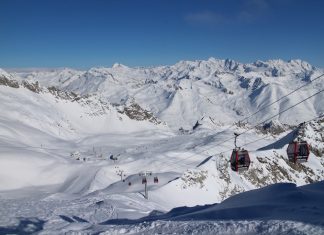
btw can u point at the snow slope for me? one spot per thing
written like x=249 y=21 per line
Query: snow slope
x=277 y=209
x=72 y=145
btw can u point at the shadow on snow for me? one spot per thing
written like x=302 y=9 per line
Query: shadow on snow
x=25 y=226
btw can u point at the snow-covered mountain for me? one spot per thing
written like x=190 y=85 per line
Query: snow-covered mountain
x=73 y=135
x=184 y=93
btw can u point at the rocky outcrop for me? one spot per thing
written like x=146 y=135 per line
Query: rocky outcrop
x=34 y=87
x=4 y=81
x=64 y=95
x=136 y=112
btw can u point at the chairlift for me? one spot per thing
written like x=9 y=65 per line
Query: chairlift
x=298 y=151
x=240 y=159
x=156 y=180
x=144 y=181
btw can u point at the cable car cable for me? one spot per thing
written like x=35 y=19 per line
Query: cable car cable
x=254 y=141
x=266 y=106
x=285 y=110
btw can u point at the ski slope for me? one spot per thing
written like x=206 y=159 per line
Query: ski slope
x=57 y=146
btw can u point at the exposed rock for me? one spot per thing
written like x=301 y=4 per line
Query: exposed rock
x=244 y=82
x=196 y=125
x=194 y=177
x=278 y=172
x=313 y=133
x=34 y=87
x=257 y=83
x=4 y=81
x=136 y=112
x=273 y=127
x=64 y=95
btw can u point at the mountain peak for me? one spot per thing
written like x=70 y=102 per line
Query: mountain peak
x=118 y=66
x=4 y=73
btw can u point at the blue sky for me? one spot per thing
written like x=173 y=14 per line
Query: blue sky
x=82 y=34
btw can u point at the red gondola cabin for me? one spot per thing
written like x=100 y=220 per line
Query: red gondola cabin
x=240 y=160
x=298 y=151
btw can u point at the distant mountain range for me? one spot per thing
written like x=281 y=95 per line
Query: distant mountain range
x=213 y=92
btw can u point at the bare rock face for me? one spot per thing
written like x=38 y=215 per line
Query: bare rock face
x=313 y=133
x=4 y=81
x=273 y=127
x=193 y=178
x=136 y=112
x=64 y=95
x=34 y=87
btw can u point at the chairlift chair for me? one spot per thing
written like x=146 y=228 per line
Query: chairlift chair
x=144 y=181
x=298 y=151
x=156 y=180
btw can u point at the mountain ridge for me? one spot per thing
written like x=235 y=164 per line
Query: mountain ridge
x=192 y=90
